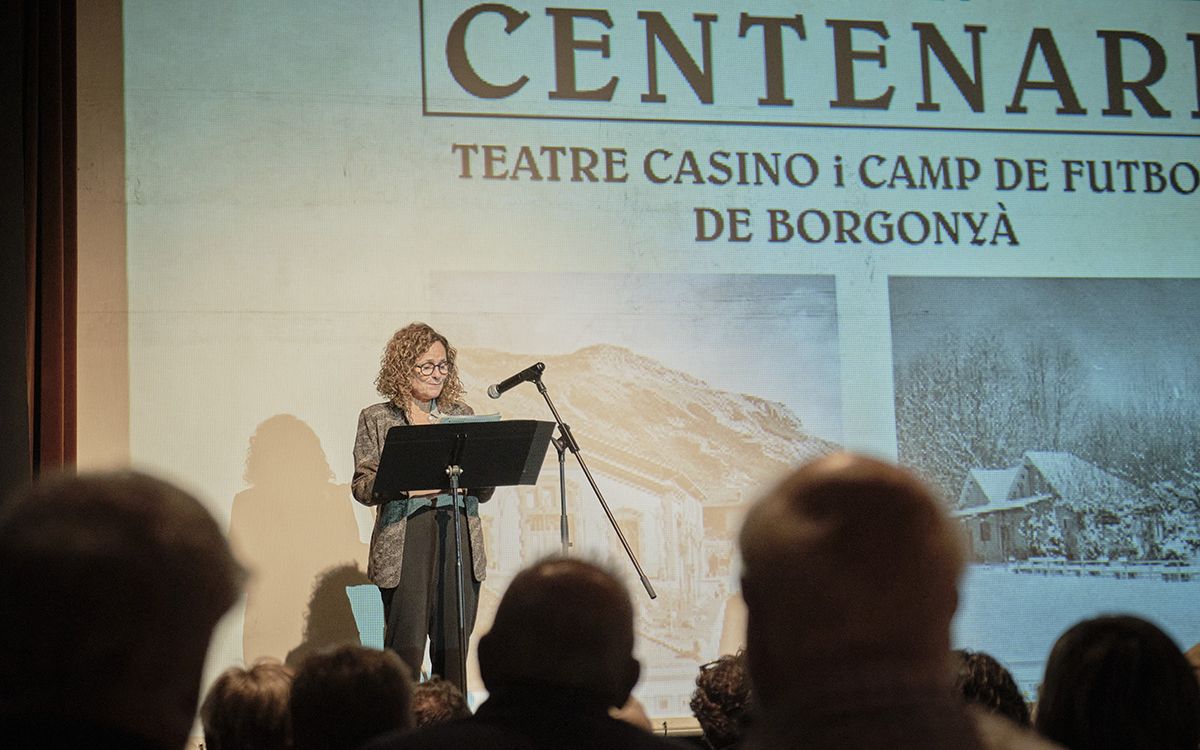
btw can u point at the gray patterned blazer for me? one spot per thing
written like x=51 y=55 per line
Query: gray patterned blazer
x=387 y=540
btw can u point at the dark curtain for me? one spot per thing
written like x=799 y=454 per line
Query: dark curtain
x=50 y=231
x=47 y=169
x=14 y=437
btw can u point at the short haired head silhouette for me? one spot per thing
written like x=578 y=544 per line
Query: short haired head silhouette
x=563 y=622
x=106 y=578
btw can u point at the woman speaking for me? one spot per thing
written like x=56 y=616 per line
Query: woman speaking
x=412 y=546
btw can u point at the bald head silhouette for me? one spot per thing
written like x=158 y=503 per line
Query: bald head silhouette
x=848 y=560
x=563 y=623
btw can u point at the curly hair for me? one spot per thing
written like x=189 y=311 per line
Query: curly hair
x=399 y=358
x=983 y=681
x=437 y=701
x=720 y=702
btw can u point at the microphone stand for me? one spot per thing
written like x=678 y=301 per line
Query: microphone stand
x=567 y=441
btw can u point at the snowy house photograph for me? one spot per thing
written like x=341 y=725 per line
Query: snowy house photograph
x=1102 y=376
x=1058 y=419
x=1055 y=504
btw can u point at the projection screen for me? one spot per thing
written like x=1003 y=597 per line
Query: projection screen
x=961 y=235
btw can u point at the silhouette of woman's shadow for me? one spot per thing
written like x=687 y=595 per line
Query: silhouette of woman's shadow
x=290 y=528
x=330 y=617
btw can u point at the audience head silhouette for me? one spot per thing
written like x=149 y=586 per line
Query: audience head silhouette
x=563 y=623
x=1119 y=682
x=721 y=700
x=344 y=696
x=848 y=558
x=105 y=579
x=558 y=659
x=850 y=577
x=984 y=682
x=437 y=701
x=248 y=708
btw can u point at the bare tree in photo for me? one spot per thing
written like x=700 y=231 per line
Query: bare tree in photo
x=1052 y=376
x=957 y=409
x=971 y=402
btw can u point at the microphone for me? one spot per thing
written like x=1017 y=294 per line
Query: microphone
x=533 y=372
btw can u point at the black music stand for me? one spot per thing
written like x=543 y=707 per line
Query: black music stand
x=440 y=456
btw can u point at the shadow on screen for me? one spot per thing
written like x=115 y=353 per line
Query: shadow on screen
x=294 y=529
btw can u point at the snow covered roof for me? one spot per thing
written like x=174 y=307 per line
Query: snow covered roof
x=996 y=484
x=999 y=505
x=1077 y=481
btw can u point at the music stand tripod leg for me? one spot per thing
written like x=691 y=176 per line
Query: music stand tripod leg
x=454 y=472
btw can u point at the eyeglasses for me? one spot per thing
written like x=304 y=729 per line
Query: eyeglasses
x=427 y=368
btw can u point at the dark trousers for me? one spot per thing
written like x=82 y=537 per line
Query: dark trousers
x=425 y=603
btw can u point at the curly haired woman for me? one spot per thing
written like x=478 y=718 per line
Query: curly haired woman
x=721 y=701
x=412 y=558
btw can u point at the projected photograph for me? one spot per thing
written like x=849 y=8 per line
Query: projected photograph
x=689 y=395
x=1057 y=417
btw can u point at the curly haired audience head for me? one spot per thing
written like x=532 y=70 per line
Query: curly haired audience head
x=985 y=682
x=247 y=709
x=344 y=696
x=105 y=578
x=1119 y=682
x=437 y=701
x=721 y=700
x=400 y=357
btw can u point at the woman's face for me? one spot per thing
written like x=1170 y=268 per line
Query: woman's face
x=428 y=387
